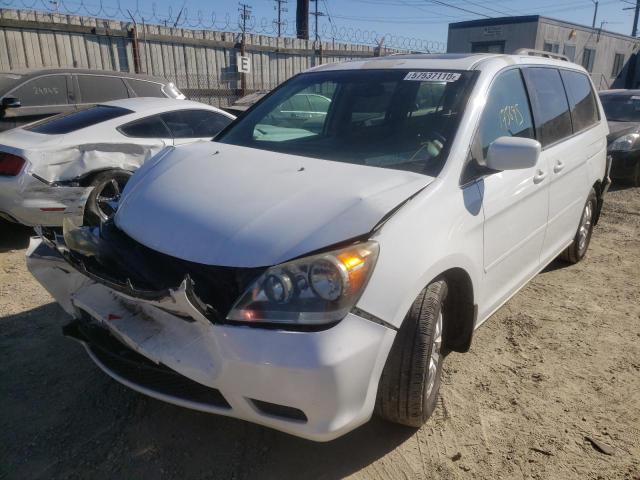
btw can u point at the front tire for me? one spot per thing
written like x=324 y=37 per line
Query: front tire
x=107 y=188
x=578 y=248
x=410 y=382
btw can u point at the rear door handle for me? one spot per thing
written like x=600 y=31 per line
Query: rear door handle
x=540 y=176
x=558 y=167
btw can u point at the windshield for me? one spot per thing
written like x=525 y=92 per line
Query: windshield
x=396 y=119
x=621 y=108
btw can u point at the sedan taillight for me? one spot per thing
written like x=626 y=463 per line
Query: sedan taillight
x=10 y=165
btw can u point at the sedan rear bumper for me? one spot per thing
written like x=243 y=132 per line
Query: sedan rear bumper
x=317 y=385
x=27 y=200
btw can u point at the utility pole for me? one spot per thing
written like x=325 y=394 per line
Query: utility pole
x=281 y=9
x=245 y=15
x=595 y=13
x=302 y=19
x=317 y=14
x=635 y=19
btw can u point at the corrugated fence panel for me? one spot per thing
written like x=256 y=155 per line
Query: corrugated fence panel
x=201 y=62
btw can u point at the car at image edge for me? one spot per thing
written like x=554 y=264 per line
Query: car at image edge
x=27 y=95
x=306 y=280
x=622 y=108
x=78 y=162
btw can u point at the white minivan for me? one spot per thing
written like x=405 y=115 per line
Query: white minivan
x=305 y=271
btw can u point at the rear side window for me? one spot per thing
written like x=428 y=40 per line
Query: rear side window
x=195 y=123
x=150 y=127
x=506 y=112
x=98 y=88
x=146 y=89
x=42 y=91
x=70 y=122
x=584 y=110
x=550 y=106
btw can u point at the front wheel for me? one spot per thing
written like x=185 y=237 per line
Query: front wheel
x=410 y=382
x=578 y=248
x=103 y=200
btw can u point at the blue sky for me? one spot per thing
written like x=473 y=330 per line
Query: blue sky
x=421 y=19
x=424 y=19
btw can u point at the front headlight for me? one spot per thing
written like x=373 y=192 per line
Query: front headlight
x=624 y=143
x=309 y=291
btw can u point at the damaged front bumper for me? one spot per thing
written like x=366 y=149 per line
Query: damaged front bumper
x=31 y=201
x=317 y=385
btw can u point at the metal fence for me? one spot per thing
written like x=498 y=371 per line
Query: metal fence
x=202 y=63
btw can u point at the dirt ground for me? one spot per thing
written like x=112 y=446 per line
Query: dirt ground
x=557 y=364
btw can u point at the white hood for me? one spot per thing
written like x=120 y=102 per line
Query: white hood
x=225 y=205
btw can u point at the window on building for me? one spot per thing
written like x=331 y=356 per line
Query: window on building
x=506 y=112
x=588 y=57
x=487 y=47
x=550 y=106
x=618 y=63
x=100 y=88
x=551 y=47
x=570 y=52
x=584 y=111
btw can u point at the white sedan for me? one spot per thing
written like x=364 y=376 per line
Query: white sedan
x=81 y=160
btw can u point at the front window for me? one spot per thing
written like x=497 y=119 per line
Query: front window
x=621 y=108
x=398 y=119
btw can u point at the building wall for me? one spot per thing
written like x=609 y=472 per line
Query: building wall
x=534 y=32
x=605 y=44
x=514 y=36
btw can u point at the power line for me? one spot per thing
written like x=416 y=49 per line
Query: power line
x=281 y=9
x=445 y=4
x=317 y=14
x=488 y=8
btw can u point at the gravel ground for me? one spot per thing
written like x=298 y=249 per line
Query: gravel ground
x=558 y=364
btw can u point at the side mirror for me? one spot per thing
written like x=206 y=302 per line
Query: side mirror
x=513 y=153
x=10 y=102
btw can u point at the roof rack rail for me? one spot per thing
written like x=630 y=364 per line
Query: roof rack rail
x=540 y=53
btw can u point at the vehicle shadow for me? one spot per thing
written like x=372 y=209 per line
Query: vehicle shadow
x=13 y=236
x=619 y=185
x=556 y=264
x=63 y=417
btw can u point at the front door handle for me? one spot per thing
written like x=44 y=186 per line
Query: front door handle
x=558 y=167
x=540 y=176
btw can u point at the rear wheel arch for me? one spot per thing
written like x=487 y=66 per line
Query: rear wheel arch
x=86 y=180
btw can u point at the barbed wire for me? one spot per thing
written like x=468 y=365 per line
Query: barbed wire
x=200 y=20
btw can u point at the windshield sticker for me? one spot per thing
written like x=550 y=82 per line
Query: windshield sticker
x=432 y=76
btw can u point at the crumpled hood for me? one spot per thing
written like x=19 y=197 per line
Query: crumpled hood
x=225 y=205
x=618 y=129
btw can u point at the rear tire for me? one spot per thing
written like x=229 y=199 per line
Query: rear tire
x=410 y=382
x=578 y=248
x=107 y=187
